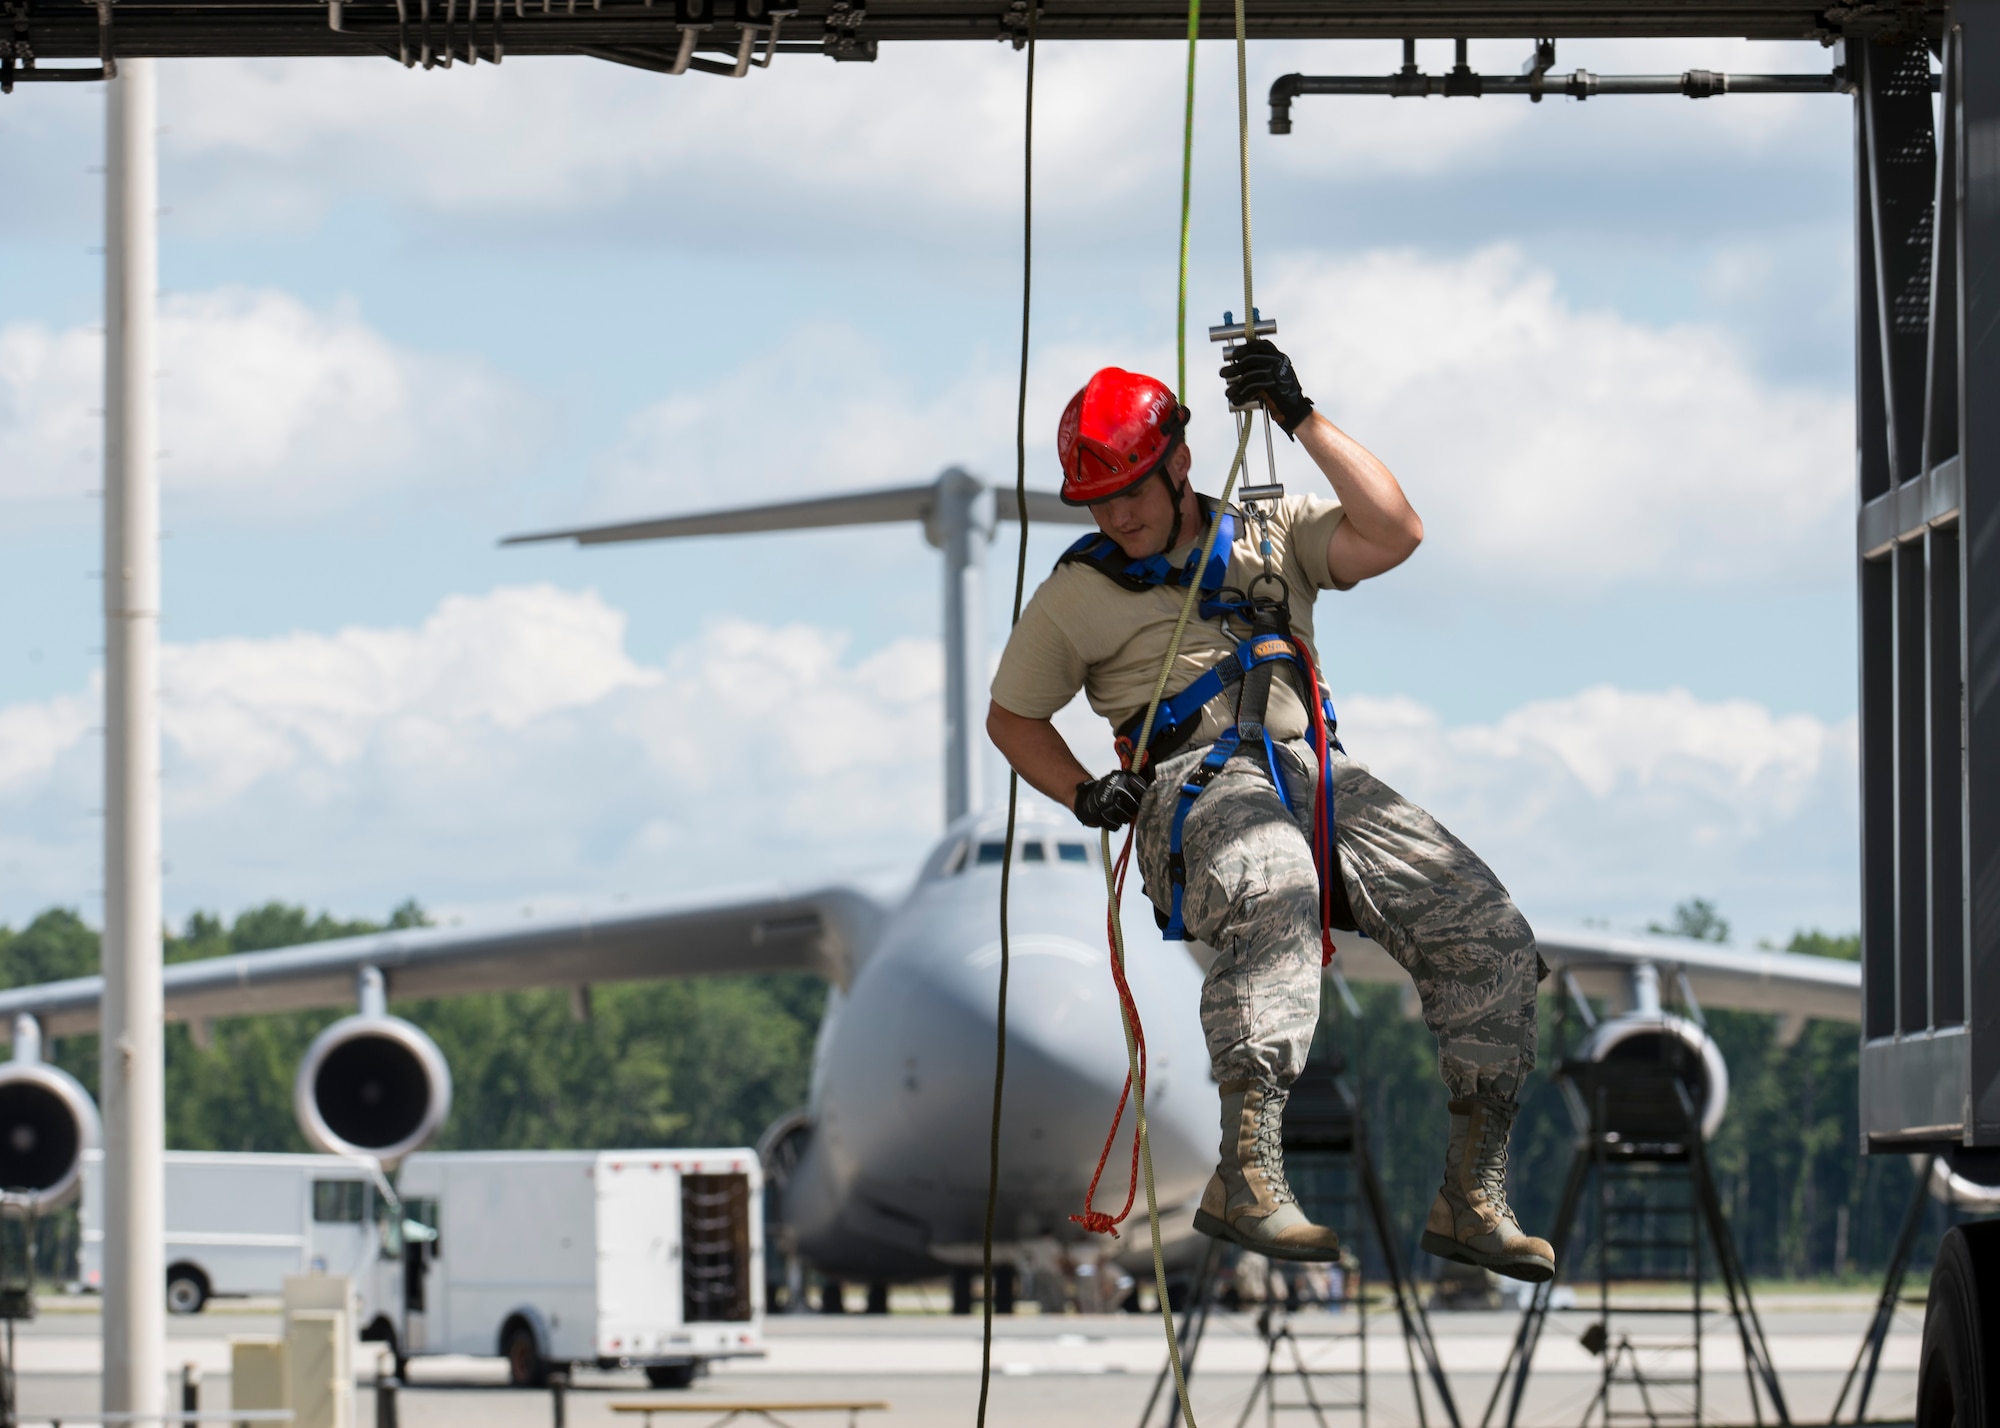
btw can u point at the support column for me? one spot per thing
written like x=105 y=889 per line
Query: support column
x=132 y=1065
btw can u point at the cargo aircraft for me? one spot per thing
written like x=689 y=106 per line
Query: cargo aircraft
x=881 y=1176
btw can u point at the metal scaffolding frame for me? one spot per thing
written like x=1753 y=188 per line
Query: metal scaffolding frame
x=1927 y=234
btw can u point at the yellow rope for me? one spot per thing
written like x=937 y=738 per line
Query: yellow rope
x=1188 y=604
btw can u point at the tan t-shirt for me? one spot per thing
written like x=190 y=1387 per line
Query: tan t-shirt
x=1085 y=631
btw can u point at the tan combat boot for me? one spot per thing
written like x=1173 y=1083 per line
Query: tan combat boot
x=1247 y=1201
x=1470 y=1221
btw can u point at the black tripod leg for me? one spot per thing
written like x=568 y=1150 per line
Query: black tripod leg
x=1194 y=1322
x=1872 y=1342
x=1756 y=1352
x=1189 y=1336
x=1409 y=1307
x=1523 y=1353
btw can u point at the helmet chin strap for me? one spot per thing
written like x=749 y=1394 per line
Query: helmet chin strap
x=1178 y=491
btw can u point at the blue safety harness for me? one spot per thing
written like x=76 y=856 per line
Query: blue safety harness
x=1269 y=644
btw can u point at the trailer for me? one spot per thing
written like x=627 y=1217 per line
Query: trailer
x=649 y=1259
x=238 y=1224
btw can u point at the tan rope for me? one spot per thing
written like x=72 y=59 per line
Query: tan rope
x=1188 y=604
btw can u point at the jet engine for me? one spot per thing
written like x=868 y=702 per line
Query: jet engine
x=372 y=1084
x=1628 y=1076
x=1650 y=1037
x=47 y=1122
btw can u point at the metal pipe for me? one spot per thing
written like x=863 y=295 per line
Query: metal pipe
x=1412 y=83
x=132 y=1066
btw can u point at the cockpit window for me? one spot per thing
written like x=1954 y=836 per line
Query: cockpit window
x=1026 y=852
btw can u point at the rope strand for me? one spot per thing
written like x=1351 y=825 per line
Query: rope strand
x=1114 y=877
x=1013 y=778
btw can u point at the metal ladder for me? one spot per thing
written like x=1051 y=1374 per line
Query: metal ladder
x=1648 y=1232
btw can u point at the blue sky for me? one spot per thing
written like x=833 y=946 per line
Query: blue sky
x=1606 y=345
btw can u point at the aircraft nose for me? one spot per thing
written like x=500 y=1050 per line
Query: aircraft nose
x=1066 y=1063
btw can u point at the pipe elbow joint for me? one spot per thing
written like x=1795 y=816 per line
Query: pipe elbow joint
x=1284 y=89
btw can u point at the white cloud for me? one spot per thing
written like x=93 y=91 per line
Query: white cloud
x=276 y=408
x=822 y=409
x=507 y=747
x=932 y=127
x=1616 y=804
x=1548 y=446
x=927 y=134
x=1561 y=447
x=510 y=749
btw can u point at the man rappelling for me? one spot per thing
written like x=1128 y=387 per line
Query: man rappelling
x=1256 y=832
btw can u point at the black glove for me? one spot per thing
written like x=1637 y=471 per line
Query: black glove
x=1258 y=371
x=1111 y=801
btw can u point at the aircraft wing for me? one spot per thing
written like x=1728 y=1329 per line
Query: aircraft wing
x=861 y=508
x=1793 y=985
x=824 y=931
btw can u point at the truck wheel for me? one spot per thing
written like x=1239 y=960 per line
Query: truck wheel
x=1956 y=1383
x=670 y=1375
x=187 y=1289
x=525 y=1368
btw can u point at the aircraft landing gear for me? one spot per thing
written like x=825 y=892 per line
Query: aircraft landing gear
x=1958 y=1376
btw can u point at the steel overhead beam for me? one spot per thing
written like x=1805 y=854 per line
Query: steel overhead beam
x=654 y=33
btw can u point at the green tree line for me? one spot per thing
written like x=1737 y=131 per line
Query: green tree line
x=713 y=1061
x=702 y=1062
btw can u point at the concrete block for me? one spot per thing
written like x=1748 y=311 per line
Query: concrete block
x=257 y=1373
x=319 y=1368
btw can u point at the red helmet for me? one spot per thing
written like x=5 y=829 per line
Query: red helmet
x=1116 y=432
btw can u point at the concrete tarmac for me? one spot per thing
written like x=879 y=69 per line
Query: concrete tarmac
x=1052 y=1371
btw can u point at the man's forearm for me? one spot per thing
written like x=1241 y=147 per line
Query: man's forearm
x=1037 y=752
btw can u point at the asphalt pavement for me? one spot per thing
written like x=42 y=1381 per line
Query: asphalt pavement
x=1067 y=1371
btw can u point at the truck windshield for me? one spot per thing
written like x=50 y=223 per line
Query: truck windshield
x=408 y=1222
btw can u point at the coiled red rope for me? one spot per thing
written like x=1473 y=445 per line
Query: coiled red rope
x=1094 y=1220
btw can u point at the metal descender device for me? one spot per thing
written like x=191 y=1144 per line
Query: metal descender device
x=1257 y=501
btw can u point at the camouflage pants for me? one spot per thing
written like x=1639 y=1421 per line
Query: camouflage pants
x=1424 y=897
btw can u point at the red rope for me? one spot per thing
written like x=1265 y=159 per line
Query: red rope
x=1096 y=1221
x=1325 y=861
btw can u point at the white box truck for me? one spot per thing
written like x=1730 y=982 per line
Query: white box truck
x=637 y=1258
x=238 y=1224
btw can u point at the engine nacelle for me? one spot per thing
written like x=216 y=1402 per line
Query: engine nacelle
x=1969 y=1179
x=1663 y=1039
x=47 y=1122
x=372 y=1085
